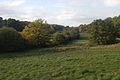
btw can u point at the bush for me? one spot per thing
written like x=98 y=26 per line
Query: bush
x=71 y=34
x=103 y=32
x=10 y=40
x=58 y=38
x=74 y=33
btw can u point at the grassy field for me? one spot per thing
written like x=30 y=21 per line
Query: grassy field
x=68 y=62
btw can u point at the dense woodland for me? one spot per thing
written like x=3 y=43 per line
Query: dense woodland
x=18 y=35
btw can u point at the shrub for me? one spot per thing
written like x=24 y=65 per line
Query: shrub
x=10 y=40
x=74 y=33
x=58 y=38
x=71 y=34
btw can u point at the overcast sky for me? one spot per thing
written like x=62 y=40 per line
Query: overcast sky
x=65 y=12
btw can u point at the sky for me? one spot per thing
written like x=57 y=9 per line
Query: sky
x=64 y=12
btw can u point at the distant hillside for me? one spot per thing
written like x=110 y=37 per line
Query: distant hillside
x=56 y=27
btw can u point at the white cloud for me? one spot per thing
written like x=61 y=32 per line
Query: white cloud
x=30 y=13
x=13 y=3
x=68 y=17
x=76 y=3
x=17 y=2
x=111 y=3
x=65 y=15
x=13 y=10
x=73 y=12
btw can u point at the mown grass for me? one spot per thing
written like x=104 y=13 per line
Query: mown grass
x=94 y=63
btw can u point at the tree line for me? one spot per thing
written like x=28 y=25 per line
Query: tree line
x=13 y=23
x=20 y=25
x=37 y=34
x=40 y=34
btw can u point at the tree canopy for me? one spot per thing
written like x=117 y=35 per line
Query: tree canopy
x=38 y=33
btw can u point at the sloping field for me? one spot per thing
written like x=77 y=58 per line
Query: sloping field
x=93 y=63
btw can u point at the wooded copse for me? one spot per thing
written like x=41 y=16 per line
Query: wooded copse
x=37 y=34
x=103 y=32
x=18 y=35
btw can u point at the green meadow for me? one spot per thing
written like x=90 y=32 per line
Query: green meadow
x=74 y=61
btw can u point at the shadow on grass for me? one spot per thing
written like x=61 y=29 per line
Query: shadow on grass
x=43 y=51
x=28 y=53
x=40 y=52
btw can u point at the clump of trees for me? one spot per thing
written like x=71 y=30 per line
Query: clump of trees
x=83 y=28
x=35 y=34
x=66 y=35
x=38 y=33
x=103 y=32
x=10 y=40
x=116 y=22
